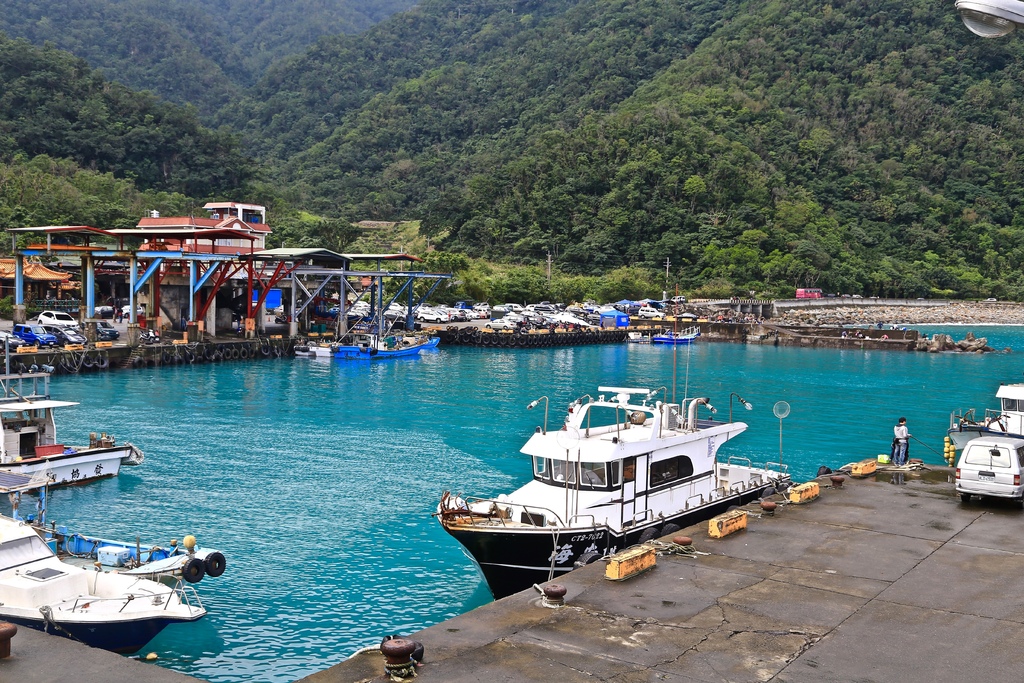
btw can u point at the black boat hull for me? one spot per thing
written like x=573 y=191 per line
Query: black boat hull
x=513 y=559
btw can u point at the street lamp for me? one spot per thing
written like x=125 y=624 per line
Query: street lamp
x=991 y=18
x=746 y=404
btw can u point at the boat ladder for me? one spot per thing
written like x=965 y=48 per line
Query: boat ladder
x=130 y=360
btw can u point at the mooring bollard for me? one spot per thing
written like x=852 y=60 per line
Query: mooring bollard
x=398 y=662
x=554 y=595
x=7 y=631
x=837 y=481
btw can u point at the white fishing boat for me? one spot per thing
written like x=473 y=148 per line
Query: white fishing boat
x=30 y=444
x=619 y=471
x=1007 y=420
x=108 y=610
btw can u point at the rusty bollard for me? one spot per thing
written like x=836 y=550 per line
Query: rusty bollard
x=769 y=506
x=554 y=595
x=398 y=662
x=682 y=540
x=837 y=481
x=7 y=632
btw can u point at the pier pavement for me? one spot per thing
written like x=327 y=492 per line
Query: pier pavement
x=889 y=578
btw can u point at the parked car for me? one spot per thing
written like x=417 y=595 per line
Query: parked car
x=427 y=314
x=991 y=466
x=509 y=322
x=65 y=335
x=106 y=332
x=140 y=310
x=8 y=339
x=34 y=334
x=58 y=318
x=104 y=312
x=648 y=312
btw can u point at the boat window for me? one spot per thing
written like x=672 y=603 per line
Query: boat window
x=593 y=474
x=629 y=469
x=988 y=457
x=540 y=468
x=665 y=471
x=563 y=471
x=1009 y=404
x=615 y=472
x=22 y=551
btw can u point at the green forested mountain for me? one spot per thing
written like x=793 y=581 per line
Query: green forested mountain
x=860 y=147
x=53 y=104
x=855 y=146
x=202 y=52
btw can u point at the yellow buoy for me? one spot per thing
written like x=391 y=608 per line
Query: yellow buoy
x=151 y=656
x=189 y=542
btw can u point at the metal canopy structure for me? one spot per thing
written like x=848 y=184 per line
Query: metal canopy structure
x=312 y=272
x=148 y=257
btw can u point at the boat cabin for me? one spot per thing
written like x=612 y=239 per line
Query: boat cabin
x=1011 y=403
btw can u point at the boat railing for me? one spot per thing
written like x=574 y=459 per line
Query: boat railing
x=641 y=516
x=776 y=467
x=495 y=508
x=739 y=460
x=698 y=496
x=187 y=595
x=577 y=518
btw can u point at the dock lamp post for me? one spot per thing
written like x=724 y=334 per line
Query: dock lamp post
x=991 y=18
x=533 y=404
x=746 y=404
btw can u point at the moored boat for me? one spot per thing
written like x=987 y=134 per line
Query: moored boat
x=1007 y=420
x=618 y=471
x=373 y=346
x=107 y=610
x=687 y=336
x=30 y=445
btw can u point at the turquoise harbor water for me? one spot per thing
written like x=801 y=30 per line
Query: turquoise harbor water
x=317 y=479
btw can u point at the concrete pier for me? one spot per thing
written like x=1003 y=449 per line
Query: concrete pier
x=889 y=578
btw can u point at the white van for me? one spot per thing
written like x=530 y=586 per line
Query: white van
x=991 y=466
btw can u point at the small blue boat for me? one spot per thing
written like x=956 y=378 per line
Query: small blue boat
x=687 y=336
x=372 y=346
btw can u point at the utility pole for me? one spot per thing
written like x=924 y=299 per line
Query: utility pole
x=549 y=269
x=667 y=264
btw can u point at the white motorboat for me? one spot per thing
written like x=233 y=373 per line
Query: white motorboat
x=619 y=471
x=103 y=609
x=1007 y=420
x=30 y=444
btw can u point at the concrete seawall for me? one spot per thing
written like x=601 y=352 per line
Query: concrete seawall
x=890 y=578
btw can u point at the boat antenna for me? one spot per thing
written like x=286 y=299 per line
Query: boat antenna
x=675 y=349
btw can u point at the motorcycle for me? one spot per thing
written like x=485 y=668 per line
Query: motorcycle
x=148 y=336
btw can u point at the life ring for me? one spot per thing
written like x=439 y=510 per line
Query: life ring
x=193 y=570
x=215 y=564
x=243 y=353
x=103 y=363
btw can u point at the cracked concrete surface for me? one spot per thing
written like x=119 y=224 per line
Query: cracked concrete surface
x=884 y=579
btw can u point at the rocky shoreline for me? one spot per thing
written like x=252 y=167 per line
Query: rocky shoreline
x=953 y=313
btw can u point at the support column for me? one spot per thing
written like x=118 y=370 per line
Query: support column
x=133 y=323
x=293 y=323
x=20 y=315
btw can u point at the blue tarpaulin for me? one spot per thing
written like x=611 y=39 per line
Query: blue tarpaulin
x=614 y=319
x=273 y=299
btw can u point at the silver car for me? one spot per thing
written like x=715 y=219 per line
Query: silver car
x=991 y=466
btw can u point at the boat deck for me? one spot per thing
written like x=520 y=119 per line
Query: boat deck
x=887 y=578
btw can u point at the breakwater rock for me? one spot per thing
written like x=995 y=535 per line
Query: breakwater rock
x=943 y=342
x=951 y=313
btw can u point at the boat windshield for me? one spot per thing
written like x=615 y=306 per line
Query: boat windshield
x=589 y=475
x=22 y=551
